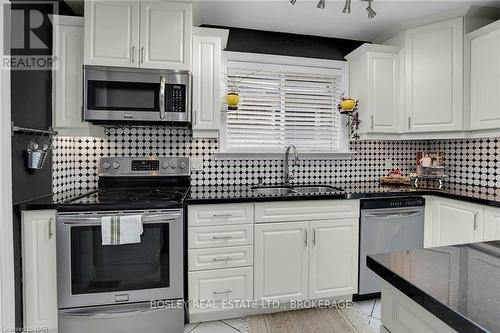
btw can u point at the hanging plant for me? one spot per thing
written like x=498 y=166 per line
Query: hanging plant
x=233 y=83
x=349 y=106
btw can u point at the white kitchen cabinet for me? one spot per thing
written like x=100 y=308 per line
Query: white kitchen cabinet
x=491 y=224
x=306 y=260
x=333 y=258
x=111 y=33
x=281 y=261
x=434 y=77
x=375 y=82
x=147 y=34
x=220 y=285
x=165 y=34
x=67 y=80
x=39 y=269
x=207 y=54
x=483 y=274
x=456 y=222
x=485 y=78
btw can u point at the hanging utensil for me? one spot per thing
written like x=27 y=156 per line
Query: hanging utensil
x=347 y=7
x=370 y=11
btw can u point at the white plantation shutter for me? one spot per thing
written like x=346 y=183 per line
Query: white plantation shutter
x=282 y=105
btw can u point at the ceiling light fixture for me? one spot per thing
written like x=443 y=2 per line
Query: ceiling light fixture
x=347 y=7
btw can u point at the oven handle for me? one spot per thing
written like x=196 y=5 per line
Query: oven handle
x=99 y=312
x=81 y=220
x=162 y=97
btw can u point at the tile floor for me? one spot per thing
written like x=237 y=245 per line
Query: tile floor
x=370 y=308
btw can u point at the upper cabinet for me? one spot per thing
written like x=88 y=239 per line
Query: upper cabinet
x=111 y=33
x=165 y=35
x=374 y=80
x=147 y=34
x=434 y=77
x=485 y=78
x=207 y=54
x=67 y=79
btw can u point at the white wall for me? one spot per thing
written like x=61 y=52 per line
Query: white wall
x=7 y=312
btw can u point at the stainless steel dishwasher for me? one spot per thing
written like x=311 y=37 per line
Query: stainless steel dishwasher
x=387 y=224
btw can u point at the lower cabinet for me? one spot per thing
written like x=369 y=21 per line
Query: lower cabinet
x=333 y=258
x=306 y=260
x=491 y=223
x=452 y=222
x=456 y=222
x=281 y=261
x=39 y=269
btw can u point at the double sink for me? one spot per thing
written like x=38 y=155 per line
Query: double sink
x=295 y=189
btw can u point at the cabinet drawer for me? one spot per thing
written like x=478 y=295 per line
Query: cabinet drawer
x=305 y=210
x=220 y=257
x=220 y=214
x=230 y=235
x=220 y=284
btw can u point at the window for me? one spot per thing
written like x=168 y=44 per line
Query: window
x=285 y=101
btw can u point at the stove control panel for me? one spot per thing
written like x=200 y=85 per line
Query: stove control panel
x=144 y=166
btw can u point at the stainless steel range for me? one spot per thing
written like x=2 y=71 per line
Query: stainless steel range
x=112 y=288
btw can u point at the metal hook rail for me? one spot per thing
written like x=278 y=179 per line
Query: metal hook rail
x=17 y=129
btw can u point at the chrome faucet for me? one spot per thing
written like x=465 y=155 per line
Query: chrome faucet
x=287 y=175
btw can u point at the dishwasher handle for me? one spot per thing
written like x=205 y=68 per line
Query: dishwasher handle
x=394 y=215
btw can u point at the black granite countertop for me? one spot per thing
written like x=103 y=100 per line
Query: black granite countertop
x=460 y=284
x=51 y=201
x=227 y=194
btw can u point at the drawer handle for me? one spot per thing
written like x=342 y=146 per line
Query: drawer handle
x=221 y=237
x=222 y=259
x=222 y=215
x=227 y=291
x=475 y=220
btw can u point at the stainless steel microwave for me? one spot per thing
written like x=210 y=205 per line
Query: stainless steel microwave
x=114 y=94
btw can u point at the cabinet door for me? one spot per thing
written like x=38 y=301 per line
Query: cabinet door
x=485 y=81
x=207 y=51
x=333 y=258
x=383 y=92
x=281 y=261
x=491 y=224
x=456 y=222
x=39 y=269
x=67 y=92
x=111 y=33
x=482 y=276
x=165 y=35
x=434 y=77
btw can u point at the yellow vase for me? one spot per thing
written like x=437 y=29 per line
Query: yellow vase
x=232 y=100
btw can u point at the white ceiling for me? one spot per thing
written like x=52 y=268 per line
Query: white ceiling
x=305 y=18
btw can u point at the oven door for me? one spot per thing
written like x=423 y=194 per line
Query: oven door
x=118 y=94
x=91 y=274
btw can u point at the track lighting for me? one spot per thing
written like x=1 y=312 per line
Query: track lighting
x=321 y=4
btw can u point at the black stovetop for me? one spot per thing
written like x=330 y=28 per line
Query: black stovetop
x=127 y=194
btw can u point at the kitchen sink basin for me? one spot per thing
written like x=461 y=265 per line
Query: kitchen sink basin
x=271 y=190
x=316 y=189
x=299 y=189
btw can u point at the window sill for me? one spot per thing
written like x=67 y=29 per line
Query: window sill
x=279 y=156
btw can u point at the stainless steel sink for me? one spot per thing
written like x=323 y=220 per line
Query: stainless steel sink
x=316 y=189
x=300 y=189
x=273 y=190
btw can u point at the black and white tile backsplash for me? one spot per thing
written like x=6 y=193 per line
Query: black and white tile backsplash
x=473 y=162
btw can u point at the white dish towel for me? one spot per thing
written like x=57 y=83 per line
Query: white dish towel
x=118 y=230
